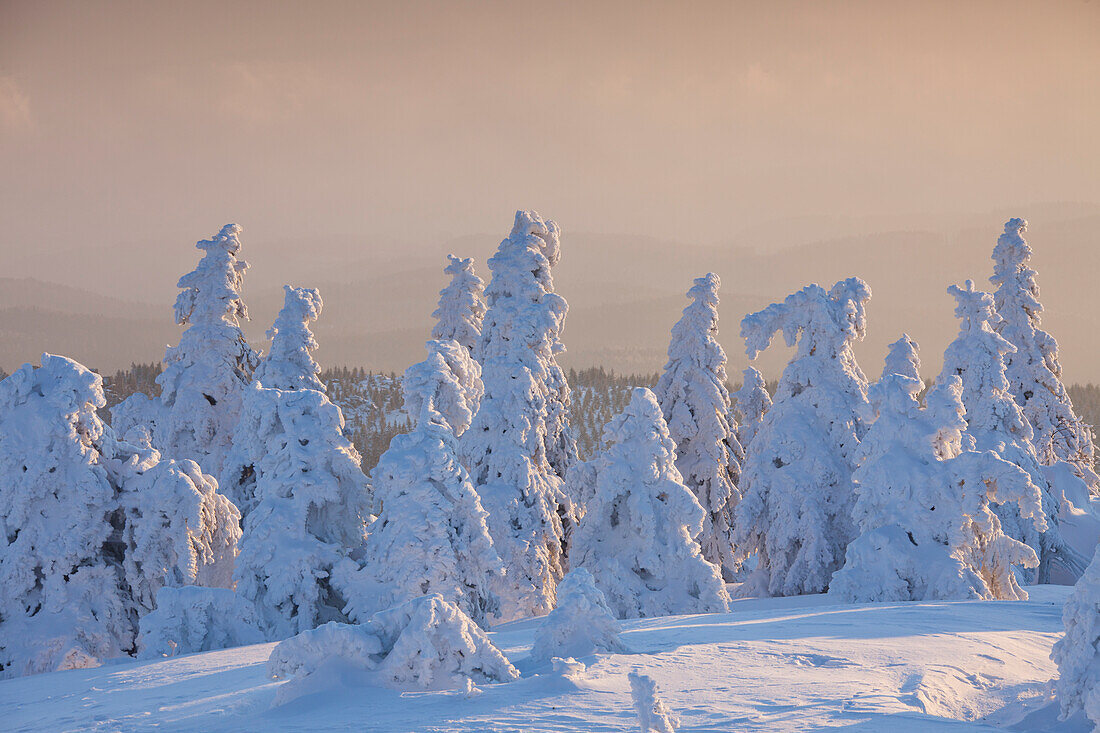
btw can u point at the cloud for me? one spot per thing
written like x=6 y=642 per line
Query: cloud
x=15 y=106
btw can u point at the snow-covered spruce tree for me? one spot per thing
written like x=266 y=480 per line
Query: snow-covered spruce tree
x=450 y=379
x=305 y=505
x=580 y=624
x=507 y=447
x=696 y=405
x=638 y=537
x=431 y=534
x=1033 y=371
x=461 y=305
x=206 y=374
x=751 y=402
x=90 y=527
x=653 y=715
x=923 y=503
x=796 y=483
x=1077 y=654
x=995 y=422
x=192 y=619
x=289 y=364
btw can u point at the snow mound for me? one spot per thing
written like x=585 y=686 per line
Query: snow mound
x=426 y=642
x=580 y=624
x=194 y=619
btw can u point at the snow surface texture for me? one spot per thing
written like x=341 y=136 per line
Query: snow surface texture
x=923 y=504
x=306 y=502
x=778 y=664
x=206 y=373
x=653 y=715
x=192 y=619
x=91 y=527
x=508 y=448
x=431 y=535
x=996 y=423
x=424 y=643
x=696 y=405
x=1077 y=654
x=1033 y=371
x=462 y=305
x=581 y=624
x=289 y=364
x=638 y=537
x=796 y=509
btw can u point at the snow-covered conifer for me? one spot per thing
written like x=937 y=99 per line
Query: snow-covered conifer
x=580 y=624
x=1077 y=654
x=923 y=503
x=751 y=402
x=653 y=715
x=507 y=449
x=461 y=305
x=431 y=535
x=289 y=364
x=90 y=527
x=696 y=405
x=1033 y=370
x=638 y=537
x=205 y=375
x=192 y=619
x=451 y=379
x=425 y=642
x=996 y=423
x=795 y=512
x=305 y=503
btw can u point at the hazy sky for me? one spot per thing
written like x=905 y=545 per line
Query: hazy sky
x=419 y=121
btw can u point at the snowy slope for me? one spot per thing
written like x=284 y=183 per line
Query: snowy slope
x=786 y=664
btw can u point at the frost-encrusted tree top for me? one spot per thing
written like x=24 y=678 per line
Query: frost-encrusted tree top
x=795 y=512
x=507 y=448
x=923 y=504
x=206 y=372
x=431 y=535
x=638 y=537
x=447 y=383
x=289 y=364
x=751 y=402
x=305 y=502
x=461 y=305
x=90 y=527
x=696 y=405
x=996 y=422
x=1033 y=370
x=1077 y=654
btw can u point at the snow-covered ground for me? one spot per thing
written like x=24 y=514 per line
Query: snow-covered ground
x=784 y=664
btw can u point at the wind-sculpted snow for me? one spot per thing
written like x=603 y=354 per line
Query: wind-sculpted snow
x=696 y=405
x=192 y=619
x=580 y=624
x=424 y=643
x=1033 y=371
x=205 y=374
x=461 y=306
x=289 y=364
x=653 y=715
x=92 y=527
x=637 y=538
x=796 y=509
x=431 y=535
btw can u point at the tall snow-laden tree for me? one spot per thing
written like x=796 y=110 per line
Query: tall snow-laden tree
x=205 y=375
x=1033 y=371
x=305 y=502
x=996 y=423
x=91 y=527
x=462 y=306
x=289 y=364
x=796 y=508
x=638 y=537
x=696 y=405
x=751 y=402
x=1077 y=653
x=923 y=502
x=507 y=447
x=450 y=379
x=431 y=534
